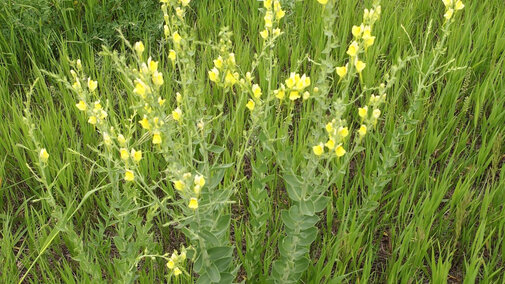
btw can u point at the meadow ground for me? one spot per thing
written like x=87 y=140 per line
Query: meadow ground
x=236 y=176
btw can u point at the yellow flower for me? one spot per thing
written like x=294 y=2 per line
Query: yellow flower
x=218 y=62
x=362 y=130
x=178 y=97
x=214 y=74
x=156 y=138
x=76 y=85
x=276 y=32
x=179 y=12
x=367 y=31
x=92 y=85
x=280 y=94
x=92 y=120
x=256 y=91
x=368 y=41
x=199 y=180
x=250 y=105
x=363 y=111
x=305 y=81
x=157 y=78
x=176 y=37
x=124 y=154
x=136 y=155
x=360 y=65
x=342 y=71
x=145 y=123
x=139 y=47
x=97 y=106
x=43 y=155
x=231 y=59
x=448 y=14
x=129 y=175
x=82 y=106
x=318 y=149
x=323 y=2
x=447 y=3
x=343 y=132
x=264 y=34
x=340 y=151
x=277 y=5
x=172 y=55
x=330 y=144
x=306 y=95
x=177 y=271
x=103 y=114
x=293 y=95
x=459 y=5
x=185 y=2
x=161 y=101
x=144 y=69
x=329 y=127
x=78 y=64
x=179 y=185
x=140 y=89
x=193 y=203
x=267 y=4
x=166 y=30
x=279 y=14
x=177 y=114
x=353 y=49
x=268 y=20
x=291 y=81
x=376 y=113
x=121 y=140
x=230 y=79
x=152 y=65
x=197 y=189
x=357 y=30
x=200 y=125
x=170 y=264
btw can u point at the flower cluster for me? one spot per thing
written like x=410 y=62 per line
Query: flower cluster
x=97 y=117
x=43 y=155
x=127 y=157
x=176 y=261
x=294 y=86
x=172 y=28
x=362 y=40
x=370 y=113
x=273 y=15
x=94 y=111
x=337 y=134
x=190 y=188
x=451 y=6
x=224 y=73
x=147 y=83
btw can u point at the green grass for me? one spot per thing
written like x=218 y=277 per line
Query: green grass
x=423 y=201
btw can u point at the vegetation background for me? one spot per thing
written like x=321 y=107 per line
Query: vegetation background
x=441 y=216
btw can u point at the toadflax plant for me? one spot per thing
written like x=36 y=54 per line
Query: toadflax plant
x=192 y=192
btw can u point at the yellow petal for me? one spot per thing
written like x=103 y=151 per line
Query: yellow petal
x=129 y=175
x=318 y=150
x=193 y=203
x=340 y=151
